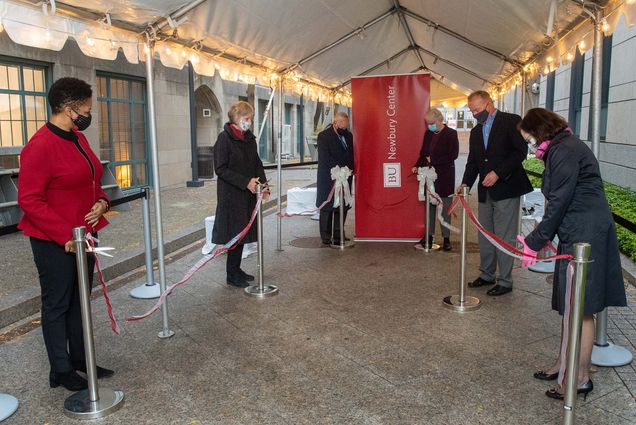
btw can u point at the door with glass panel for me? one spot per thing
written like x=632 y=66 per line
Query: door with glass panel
x=122 y=124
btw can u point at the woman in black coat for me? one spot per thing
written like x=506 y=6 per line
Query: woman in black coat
x=577 y=211
x=440 y=148
x=240 y=169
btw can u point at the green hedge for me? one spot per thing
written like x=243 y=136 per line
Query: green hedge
x=621 y=200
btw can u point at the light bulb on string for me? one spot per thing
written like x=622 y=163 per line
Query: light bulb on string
x=582 y=46
x=604 y=26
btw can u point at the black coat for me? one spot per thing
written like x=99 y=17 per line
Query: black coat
x=331 y=153
x=506 y=151
x=443 y=149
x=577 y=211
x=236 y=162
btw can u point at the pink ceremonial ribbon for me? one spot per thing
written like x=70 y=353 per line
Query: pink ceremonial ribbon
x=202 y=262
x=109 y=308
x=329 y=197
x=502 y=245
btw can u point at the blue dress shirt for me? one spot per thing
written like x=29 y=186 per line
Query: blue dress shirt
x=485 y=127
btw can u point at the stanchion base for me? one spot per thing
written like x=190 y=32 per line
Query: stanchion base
x=470 y=303
x=347 y=244
x=611 y=355
x=165 y=334
x=79 y=406
x=255 y=291
x=146 y=292
x=8 y=405
x=433 y=247
x=543 y=267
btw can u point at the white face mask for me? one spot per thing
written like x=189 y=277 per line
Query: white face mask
x=244 y=125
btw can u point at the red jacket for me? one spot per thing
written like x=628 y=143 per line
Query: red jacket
x=57 y=187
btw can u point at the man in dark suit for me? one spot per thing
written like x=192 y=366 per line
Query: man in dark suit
x=496 y=153
x=335 y=147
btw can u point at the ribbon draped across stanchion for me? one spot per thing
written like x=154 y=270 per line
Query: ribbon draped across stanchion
x=202 y=262
x=502 y=245
x=91 y=247
x=427 y=177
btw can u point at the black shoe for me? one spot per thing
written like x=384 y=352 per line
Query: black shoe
x=498 y=290
x=69 y=380
x=237 y=280
x=584 y=389
x=447 y=245
x=247 y=277
x=326 y=241
x=102 y=372
x=542 y=376
x=479 y=282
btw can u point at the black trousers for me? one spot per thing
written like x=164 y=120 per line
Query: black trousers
x=330 y=220
x=61 y=313
x=234 y=257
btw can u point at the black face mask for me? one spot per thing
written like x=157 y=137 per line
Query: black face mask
x=82 y=122
x=342 y=131
x=481 y=117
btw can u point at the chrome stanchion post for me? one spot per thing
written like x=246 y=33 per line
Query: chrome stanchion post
x=260 y=290
x=90 y=403
x=581 y=256
x=604 y=353
x=428 y=246
x=462 y=302
x=151 y=289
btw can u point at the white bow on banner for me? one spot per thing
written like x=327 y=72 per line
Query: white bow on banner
x=427 y=176
x=340 y=177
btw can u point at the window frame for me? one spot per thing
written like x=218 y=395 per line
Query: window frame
x=46 y=67
x=108 y=101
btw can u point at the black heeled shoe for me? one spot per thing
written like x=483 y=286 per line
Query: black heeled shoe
x=584 y=389
x=69 y=380
x=102 y=372
x=542 y=376
x=247 y=277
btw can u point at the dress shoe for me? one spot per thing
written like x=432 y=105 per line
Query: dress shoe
x=69 y=380
x=584 y=389
x=446 y=246
x=102 y=372
x=542 y=376
x=479 y=282
x=247 y=277
x=498 y=290
x=326 y=241
x=237 y=280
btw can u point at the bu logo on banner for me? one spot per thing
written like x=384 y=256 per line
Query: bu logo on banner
x=392 y=173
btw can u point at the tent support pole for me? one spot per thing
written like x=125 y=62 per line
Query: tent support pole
x=152 y=126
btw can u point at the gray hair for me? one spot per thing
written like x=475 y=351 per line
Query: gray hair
x=434 y=114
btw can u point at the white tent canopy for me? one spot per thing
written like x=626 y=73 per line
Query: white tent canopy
x=466 y=45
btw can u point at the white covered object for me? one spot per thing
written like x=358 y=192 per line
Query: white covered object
x=301 y=201
x=248 y=249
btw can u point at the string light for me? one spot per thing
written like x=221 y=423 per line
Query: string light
x=582 y=45
x=604 y=25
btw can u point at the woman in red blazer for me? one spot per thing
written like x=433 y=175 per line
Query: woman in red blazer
x=59 y=189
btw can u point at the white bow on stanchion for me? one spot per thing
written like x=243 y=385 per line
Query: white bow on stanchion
x=427 y=176
x=340 y=176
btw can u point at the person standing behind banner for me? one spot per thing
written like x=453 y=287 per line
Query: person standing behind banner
x=335 y=147
x=577 y=211
x=496 y=152
x=59 y=189
x=440 y=149
x=239 y=169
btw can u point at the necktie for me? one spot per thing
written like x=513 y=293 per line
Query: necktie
x=343 y=141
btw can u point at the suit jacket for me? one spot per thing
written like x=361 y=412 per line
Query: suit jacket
x=59 y=184
x=443 y=153
x=331 y=153
x=504 y=155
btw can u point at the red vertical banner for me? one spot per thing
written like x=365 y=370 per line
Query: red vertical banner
x=388 y=127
